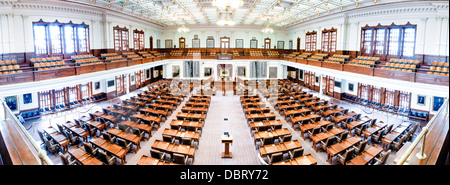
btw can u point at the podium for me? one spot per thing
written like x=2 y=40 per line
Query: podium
x=227 y=140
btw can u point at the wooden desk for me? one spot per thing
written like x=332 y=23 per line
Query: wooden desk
x=105 y=117
x=265 y=124
x=322 y=107
x=58 y=138
x=95 y=124
x=113 y=149
x=366 y=156
x=133 y=138
x=187 y=124
x=116 y=111
x=332 y=112
x=129 y=107
x=309 y=117
x=252 y=104
x=191 y=116
x=357 y=123
x=304 y=100
x=307 y=127
x=83 y=157
x=161 y=106
x=182 y=134
x=147 y=160
x=142 y=127
x=148 y=119
x=154 y=112
x=271 y=134
x=314 y=103
x=374 y=129
x=198 y=110
x=174 y=148
x=290 y=107
x=76 y=130
x=338 y=148
x=393 y=135
x=344 y=117
x=302 y=160
x=261 y=116
x=325 y=135
x=197 y=104
x=252 y=110
x=268 y=150
x=227 y=140
x=297 y=112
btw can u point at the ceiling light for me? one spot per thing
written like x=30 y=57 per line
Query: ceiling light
x=226 y=22
x=222 y=4
x=183 y=29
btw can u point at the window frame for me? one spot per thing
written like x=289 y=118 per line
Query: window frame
x=329 y=40
x=119 y=41
x=138 y=40
x=311 y=42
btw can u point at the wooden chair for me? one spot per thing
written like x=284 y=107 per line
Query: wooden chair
x=187 y=141
x=74 y=140
x=342 y=159
x=359 y=130
x=361 y=147
x=52 y=148
x=276 y=157
x=377 y=137
x=180 y=159
x=285 y=138
x=328 y=142
x=157 y=154
x=388 y=129
x=126 y=146
x=314 y=131
x=383 y=159
x=65 y=160
x=108 y=137
x=296 y=153
x=104 y=157
x=168 y=139
x=343 y=136
x=90 y=150
x=397 y=144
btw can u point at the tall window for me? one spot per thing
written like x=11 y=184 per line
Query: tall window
x=380 y=41
x=45 y=99
x=59 y=96
x=120 y=39
x=69 y=38
x=393 y=40
x=409 y=37
x=404 y=100
x=86 y=90
x=40 y=39
x=311 y=39
x=389 y=97
x=329 y=40
x=367 y=41
x=60 y=38
x=138 y=37
x=73 y=93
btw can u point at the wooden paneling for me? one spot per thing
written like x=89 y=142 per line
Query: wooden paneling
x=359 y=69
x=335 y=66
x=302 y=61
x=337 y=95
x=398 y=75
x=16 y=78
x=315 y=63
x=114 y=65
x=134 y=62
x=432 y=79
x=53 y=73
x=90 y=68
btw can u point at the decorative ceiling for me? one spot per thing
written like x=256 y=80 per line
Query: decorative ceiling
x=278 y=13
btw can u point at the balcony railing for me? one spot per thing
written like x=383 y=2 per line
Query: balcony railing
x=18 y=146
x=429 y=145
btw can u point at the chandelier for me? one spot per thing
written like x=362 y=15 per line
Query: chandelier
x=222 y=4
x=183 y=29
x=226 y=22
x=267 y=29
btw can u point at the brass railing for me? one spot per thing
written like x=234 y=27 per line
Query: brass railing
x=11 y=121
x=440 y=118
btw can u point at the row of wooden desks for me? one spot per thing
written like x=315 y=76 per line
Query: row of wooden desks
x=111 y=148
x=112 y=110
x=198 y=110
x=394 y=134
x=252 y=110
x=332 y=112
x=197 y=104
x=366 y=156
x=358 y=123
x=128 y=107
x=147 y=118
x=83 y=157
x=290 y=107
x=186 y=124
x=314 y=103
x=171 y=148
x=182 y=134
x=304 y=128
x=105 y=117
x=302 y=160
x=154 y=112
x=297 y=112
x=374 y=129
x=338 y=148
x=142 y=127
x=324 y=107
x=191 y=116
x=268 y=150
x=253 y=104
x=147 y=160
x=271 y=134
x=264 y=125
x=58 y=138
x=325 y=135
x=133 y=138
x=344 y=117
x=261 y=116
x=303 y=119
x=161 y=106
x=76 y=130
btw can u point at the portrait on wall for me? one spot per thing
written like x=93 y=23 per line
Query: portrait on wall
x=175 y=71
x=273 y=72
x=97 y=85
x=241 y=71
x=27 y=98
x=208 y=71
x=350 y=87
x=11 y=102
x=420 y=100
x=437 y=103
